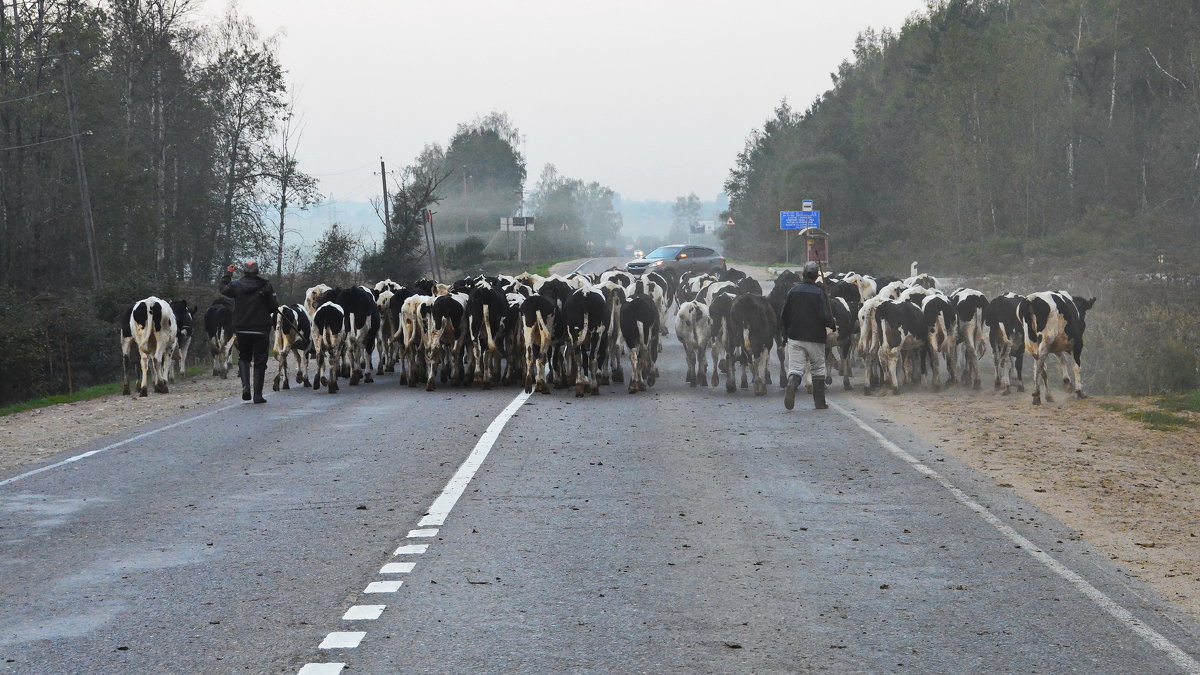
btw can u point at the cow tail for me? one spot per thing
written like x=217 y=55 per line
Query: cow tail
x=487 y=328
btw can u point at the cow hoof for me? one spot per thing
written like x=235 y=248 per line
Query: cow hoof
x=430 y=387
x=286 y=384
x=580 y=390
x=1021 y=388
x=716 y=381
x=1080 y=394
x=307 y=383
x=125 y=390
x=730 y=388
x=368 y=379
x=692 y=383
x=143 y=393
x=632 y=388
x=618 y=377
x=595 y=391
x=1037 y=400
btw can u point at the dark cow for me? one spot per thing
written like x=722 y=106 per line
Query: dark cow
x=845 y=317
x=484 y=313
x=293 y=337
x=184 y=330
x=1053 y=323
x=639 y=328
x=750 y=333
x=902 y=336
x=1004 y=334
x=218 y=325
x=585 y=315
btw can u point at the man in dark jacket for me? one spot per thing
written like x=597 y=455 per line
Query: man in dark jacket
x=804 y=318
x=254 y=302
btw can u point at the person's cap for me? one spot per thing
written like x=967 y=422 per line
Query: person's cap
x=251 y=267
x=811 y=270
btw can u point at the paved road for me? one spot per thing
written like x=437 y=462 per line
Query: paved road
x=683 y=530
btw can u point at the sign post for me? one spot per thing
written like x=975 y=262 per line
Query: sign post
x=797 y=220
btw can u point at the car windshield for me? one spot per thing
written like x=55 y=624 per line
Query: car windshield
x=664 y=252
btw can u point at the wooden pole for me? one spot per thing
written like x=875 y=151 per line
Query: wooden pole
x=85 y=197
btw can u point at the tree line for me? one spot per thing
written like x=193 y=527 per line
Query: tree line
x=986 y=132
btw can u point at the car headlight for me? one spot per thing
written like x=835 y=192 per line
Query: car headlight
x=657 y=264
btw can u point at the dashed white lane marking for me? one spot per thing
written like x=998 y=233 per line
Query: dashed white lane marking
x=118 y=444
x=363 y=613
x=343 y=639
x=454 y=489
x=383 y=586
x=428 y=527
x=321 y=669
x=1153 y=637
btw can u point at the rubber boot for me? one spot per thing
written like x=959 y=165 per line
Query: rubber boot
x=789 y=396
x=819 y=393
x=260 y=374
x=244 y=373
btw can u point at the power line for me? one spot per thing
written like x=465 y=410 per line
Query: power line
x=48 y=140
x=26 y=98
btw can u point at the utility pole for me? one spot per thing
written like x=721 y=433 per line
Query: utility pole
x=85 y=197
x=387 y=219
x=466 y=209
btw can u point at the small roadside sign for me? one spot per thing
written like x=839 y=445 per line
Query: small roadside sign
x=729 y=223
x=799 y=220
x=806 y=205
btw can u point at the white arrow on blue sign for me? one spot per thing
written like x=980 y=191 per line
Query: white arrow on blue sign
x=799 y=220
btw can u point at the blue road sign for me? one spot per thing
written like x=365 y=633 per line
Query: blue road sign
x=798 y=220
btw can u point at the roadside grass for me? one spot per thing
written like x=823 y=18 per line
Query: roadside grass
x=543 y=269
x=1115 y=407
x=1159 y=420
x=1180 y=402
x=85 y=394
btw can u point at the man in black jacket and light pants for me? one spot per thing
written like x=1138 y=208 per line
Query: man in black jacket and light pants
x=254 y=303
x=803 y=321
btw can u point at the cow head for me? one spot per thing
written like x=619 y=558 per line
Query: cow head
x=1083 y=305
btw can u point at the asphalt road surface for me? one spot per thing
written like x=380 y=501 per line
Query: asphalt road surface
x=385 y=530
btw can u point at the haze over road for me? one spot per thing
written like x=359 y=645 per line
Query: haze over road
x=681 y=530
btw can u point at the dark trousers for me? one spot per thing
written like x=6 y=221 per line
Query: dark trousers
x=252 y=346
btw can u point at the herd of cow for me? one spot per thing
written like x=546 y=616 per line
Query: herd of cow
x=558 y=331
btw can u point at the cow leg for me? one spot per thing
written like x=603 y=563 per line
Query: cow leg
x=635 y=373
x=935 y=378
x=779 y=352
x=1076 y=353
x=745 y=379
x=689 y=353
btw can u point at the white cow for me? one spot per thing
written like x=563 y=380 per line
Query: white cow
x=152 y=329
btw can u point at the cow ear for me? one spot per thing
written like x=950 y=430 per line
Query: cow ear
x=1091 y=302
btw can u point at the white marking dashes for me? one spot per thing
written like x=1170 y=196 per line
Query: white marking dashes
x=397 y=568
x=348 y=639
x=363 y=613
x=409 y=549
x=383 y=586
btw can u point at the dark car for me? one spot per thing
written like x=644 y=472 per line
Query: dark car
x=677 y=259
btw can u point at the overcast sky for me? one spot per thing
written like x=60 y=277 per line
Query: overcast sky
x=653 y=98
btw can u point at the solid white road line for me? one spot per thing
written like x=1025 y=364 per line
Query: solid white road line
x=1154 y=638
x=106 y=448
x=383 y=586
x=321 y=669
x=454 y=489
x=428 y=532
x=363 y=613
x=343 y=639
x=410 y=549
x=397 y=568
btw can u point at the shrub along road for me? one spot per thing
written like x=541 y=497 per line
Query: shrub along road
x=681 y=530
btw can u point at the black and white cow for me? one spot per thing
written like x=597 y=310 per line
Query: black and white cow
x=845 y=317
x=362 y=328
x=942 y=340
x=152 y=331
x=484 y=314
x=1053 y=323
x=444 y=339
x=410 y=335
x=693 y=327
x=969 y=307
x=538 y=314
x=329 y=342
x=903 y=335
x=585 y=315
x=639 y=328
x=1004 y=334
x=751 y=332
x=293 y=337
x=184 y=330
x=218 y=325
